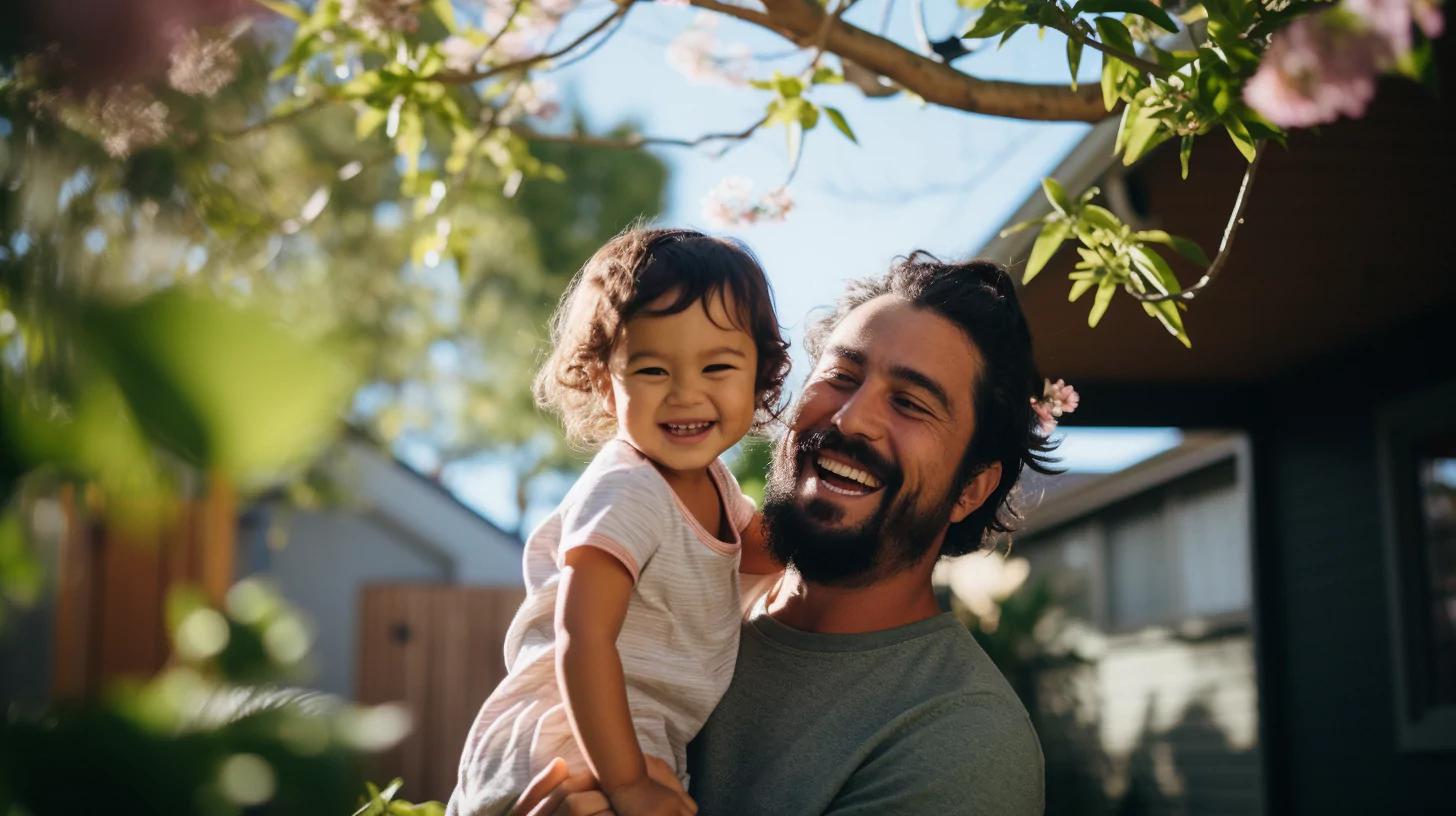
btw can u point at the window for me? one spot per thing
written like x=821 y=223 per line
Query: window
x=1418 y=474
x=1170 y=554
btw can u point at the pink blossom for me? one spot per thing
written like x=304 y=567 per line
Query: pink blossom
x=673 y=3
x=537 y=98
x=461 y=55
x=731 y=204
x=201 y=67
x=1393 y=19
x=1315 y=70
x=1057 y=398
x=696 y=55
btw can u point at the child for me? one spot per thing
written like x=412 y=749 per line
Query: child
x=666 y=348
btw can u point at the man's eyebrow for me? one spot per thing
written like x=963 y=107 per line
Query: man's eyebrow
x=846 y=353
x=922 y=380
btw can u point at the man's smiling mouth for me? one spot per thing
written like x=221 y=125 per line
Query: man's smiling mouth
x=844 y=479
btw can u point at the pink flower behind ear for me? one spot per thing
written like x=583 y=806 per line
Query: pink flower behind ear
x=1044 y=416
x=1057 y=398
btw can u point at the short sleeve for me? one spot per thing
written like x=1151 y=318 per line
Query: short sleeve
x=624 y=511
x=736 y=503
x=997 y=768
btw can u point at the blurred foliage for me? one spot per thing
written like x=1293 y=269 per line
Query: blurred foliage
x=188 y=286
x=215 y=733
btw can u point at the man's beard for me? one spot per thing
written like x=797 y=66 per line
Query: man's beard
x=897 y=536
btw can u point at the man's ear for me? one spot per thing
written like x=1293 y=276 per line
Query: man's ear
x=974 y=494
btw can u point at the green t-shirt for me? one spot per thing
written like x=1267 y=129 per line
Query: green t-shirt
x=912 y=720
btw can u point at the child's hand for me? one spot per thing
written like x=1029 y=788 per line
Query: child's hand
x=648 y=797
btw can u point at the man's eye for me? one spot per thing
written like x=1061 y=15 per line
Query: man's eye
x=840 y=377
x=910 y=405
x=652 y=371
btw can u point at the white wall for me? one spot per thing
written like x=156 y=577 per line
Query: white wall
x=393 y=527
x=321 y=568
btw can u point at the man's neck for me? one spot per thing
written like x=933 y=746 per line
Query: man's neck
x=899 y=600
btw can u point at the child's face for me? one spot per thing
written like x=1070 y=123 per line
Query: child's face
x=682 y=385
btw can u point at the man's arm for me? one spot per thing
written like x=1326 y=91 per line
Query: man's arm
x=973 y=754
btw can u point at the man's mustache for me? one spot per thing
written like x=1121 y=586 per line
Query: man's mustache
x=812 y=442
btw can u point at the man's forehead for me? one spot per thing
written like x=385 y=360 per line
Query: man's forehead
x=890 y=331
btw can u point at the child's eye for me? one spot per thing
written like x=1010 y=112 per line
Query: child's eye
x=717 y=367
x=652 y=371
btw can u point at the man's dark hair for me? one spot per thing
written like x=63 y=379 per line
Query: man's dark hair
x=978 y=296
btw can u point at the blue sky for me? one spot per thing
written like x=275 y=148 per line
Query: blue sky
x=921 y=177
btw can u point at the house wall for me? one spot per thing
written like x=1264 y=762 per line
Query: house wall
x=1324 y=599
x=324 y=563
x=1159 y=712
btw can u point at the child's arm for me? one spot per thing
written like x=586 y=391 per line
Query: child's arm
x=591 y=606
x=756 y=560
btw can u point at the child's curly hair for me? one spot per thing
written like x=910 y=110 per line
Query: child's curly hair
x=635 y=269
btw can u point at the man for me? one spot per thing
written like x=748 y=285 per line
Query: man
x=853 y=693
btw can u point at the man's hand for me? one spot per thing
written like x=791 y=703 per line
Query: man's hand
x=554 y=792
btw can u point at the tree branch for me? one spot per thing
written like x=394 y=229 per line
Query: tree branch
x=1236 y=220
x=467 y=77
x=1141 y=64
x=934 y=81
x=634 y=141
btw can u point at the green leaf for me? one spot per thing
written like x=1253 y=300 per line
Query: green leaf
x=360 y=86
x=1101 y=218
x=1155 y=269
x=825 y=75
x=1008 y=33
x=1074 y=58
x=1142 y=8
x=288 y=10
x=446 y=12
x=1166 y=311
x=1114 y=34
x=840 y=122
x=369 y=121
x=1105 y=290
x=1144 y=133
x=1047 y=242
x=1057 y=195
x=993 y=21
x=1023 y=225
x=225 y=389
x=1184 y=151
x=1111 y=79
x=410 y=141
x=789 y=87
x=1080 y=288
x=1240 y=135
x=1181 y=245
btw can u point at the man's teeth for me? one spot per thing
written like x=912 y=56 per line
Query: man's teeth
x=847 y=472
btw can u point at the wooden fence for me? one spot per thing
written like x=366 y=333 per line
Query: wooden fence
x=112 y=583
x=437 y=649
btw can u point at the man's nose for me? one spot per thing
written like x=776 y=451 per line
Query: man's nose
x=859 y=416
